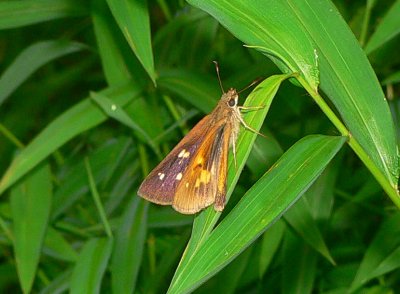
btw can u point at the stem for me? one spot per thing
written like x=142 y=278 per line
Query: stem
x=353 y=143
x=97 y=200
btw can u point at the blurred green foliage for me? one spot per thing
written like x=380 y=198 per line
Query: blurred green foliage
x=94 y=94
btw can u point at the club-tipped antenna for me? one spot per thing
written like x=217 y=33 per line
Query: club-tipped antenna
x=250 y=85
x=219 y=78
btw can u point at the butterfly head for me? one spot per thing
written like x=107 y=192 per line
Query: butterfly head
x=231 y=98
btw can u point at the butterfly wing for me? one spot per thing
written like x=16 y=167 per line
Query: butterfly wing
x=161 y=184
x=204 y=181
x=193 y=175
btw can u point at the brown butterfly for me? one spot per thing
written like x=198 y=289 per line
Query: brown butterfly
x=193 y=175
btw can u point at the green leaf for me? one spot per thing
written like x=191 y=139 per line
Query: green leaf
x=128 y=251
x=79 y=118
x=119 y=64
x=30 y=204
x=297 y=32
x=133 y=20
x=388 y=28
x=90 y=268
x=15 y=14
x=30 y=60
x=260 y=207
x=264 y=31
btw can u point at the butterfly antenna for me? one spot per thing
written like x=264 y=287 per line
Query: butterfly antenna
x=219 y=78
x=251 y=85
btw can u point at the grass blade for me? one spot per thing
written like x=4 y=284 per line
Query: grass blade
x=388 y=28
x=260 y=207
x=133 y=20
x=90 y=268
x=14 y=14
x=129 y=245
x=30 y=203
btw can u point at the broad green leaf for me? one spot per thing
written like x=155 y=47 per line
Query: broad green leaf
x=89 y=270
x=260 y=207
x=385 y=242
x=299 y=265
x=30 y=60
x=133 y=20
x=79 y=118
x=303 y=34
x=388 y=28
x=204 y=222
x=15 y=14
x=300 y=219
x=129 y=243
x=265 y=31
x=30 y=204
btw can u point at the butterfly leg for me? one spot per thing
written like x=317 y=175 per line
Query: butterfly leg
x=251 y=108
x=234 y=153
x=246 y=126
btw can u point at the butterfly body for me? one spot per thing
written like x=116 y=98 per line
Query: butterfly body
x=193 y=175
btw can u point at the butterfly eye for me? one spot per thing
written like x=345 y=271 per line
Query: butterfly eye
x=232 y=102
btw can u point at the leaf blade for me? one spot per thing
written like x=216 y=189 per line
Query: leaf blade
x=30 y=203
x=262 y=205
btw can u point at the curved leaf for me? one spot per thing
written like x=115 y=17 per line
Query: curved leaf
x=30 y=203
x=15 y=14
x=295 y=31
x=260 y=207
x=133 y=20
x=129 y=244
x=92 y=263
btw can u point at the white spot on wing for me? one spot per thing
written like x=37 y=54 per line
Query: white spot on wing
x=182 y=153
x=161 y=176
x=179 y=176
